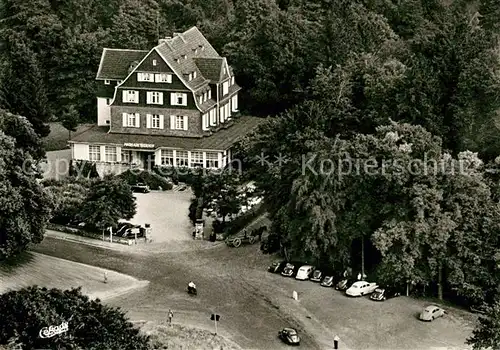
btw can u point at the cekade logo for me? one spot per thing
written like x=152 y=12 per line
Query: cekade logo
x=49 y=332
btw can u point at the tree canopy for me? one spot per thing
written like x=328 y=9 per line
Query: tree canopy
x=91 y=325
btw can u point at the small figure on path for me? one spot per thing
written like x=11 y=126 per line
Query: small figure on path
x=170 y=316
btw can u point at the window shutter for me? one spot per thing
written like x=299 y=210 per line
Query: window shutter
x=169 y=78
x=136 y=96
x=148 y=97
x=137 y=120
x=161 y=98
x=185 y=122
x=184 y=99
x=204 y=121
x=172 y=122
x=124 y=95
x=172 y=99
x=124 y=119
x=162 y=122
x=148 y=120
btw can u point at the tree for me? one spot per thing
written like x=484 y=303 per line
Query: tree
x=25 y=207
x=219 y=191
x=22 y=130
x=70 y=119
x=91 y=325
x=109 y=200
x=487 y=333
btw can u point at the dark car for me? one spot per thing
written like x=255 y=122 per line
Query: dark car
x=291 y=269
x=384 y=293
x=289 y=336
x=328 y=281
x=277 y=266
x=344 y=284
x=140 y=187
x=126 y=229
x=317 y=276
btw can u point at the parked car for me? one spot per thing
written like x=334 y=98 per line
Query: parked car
x=343 y=284
x=291 y=269
x=289 y=336
x=431 y=312
x=384 y=293
x=277 y=266
x=361 y=288
x=328 y=281
x=317 y=275
x=140 y=187
x=305 y=272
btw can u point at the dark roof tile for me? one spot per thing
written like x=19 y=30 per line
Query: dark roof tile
x=116 y=62
x=218 y=141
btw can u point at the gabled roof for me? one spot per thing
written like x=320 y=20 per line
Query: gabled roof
x=180 y=53
x=211 y=68
x=115 y=63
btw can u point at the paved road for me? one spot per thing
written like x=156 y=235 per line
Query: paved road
x=248 y=317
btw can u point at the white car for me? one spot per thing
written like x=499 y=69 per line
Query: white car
x=305 y=272
x=361 y=288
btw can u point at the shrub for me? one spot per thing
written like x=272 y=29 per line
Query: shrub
x=153 y=180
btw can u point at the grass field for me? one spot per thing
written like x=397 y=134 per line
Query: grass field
x=46 y=271
x=58 y=137
x=180 y=337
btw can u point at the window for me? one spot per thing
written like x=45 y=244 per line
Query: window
x=163 y=78
x=154 y=121
x=212 y=160
x=205 y=96
x=167 y=157
x=190 y=76
x=224 y=71
x=209 y=94
x=154 y=97
x=126 y=157
x=221 y=114
x=201 y=99
x=130 y=96
x=95 y=153
x=145 y=77
x=181 y=158
x=225 y=88
x=107 y=82
x=178 y=99
x=178 y=122
x=232 y=80
x=131 y=120
x=196 y=159
x=194 y=75
x=154 y=62
x=110 y=153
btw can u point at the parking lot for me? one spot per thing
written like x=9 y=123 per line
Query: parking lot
x=361 y=323
x=167 y=213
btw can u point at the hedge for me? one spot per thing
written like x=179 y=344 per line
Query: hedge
x=239 y=223
x=153 y=180
x=85 y=233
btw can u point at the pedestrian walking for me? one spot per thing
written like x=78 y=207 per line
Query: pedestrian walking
x=359 y=276
x=170 y=316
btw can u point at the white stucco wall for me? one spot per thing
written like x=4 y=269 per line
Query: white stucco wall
x=103 y=112
x=80 y=151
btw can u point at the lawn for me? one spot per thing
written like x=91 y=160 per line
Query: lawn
x=46 y=271
x=180 y=337
x=58 y=137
